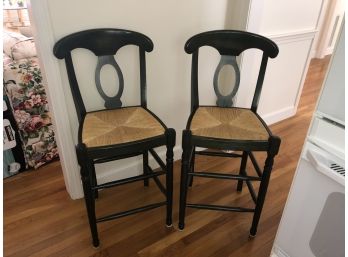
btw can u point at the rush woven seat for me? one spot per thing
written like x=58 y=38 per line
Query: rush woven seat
x=116 y=131
x=228 y=130
x=228 y=123
x=119 y=126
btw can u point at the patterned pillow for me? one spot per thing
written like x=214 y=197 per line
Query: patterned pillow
x=6 y=59
x=18 y=46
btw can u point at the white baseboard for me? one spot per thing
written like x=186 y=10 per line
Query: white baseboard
x=115 y=170
x=279 y=115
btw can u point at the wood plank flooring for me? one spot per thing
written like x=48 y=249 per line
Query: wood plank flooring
x=41 y=220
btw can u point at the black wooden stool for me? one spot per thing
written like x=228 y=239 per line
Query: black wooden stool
x=116 y=132
x=225 y=127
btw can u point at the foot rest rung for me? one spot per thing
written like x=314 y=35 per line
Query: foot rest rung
x=129 y=180
x=224 y=176
x=220 y=154
x=219 y=207
x=132 y=211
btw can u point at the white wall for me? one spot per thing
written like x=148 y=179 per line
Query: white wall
x=169 y=25
x=281 y=17
x=292 y=25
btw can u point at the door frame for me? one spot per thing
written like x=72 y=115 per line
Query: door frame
x=329 y=31
x=52 y=80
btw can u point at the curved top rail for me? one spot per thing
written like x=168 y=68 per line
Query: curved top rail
x=231 y=42
x=106 y=41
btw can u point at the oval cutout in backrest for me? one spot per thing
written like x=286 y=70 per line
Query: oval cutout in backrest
x=109 y=80
x=226 y=79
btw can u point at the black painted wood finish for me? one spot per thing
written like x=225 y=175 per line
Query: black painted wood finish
x=115 y=101
x=229 y=43
x=226 y=100
x=105 y=43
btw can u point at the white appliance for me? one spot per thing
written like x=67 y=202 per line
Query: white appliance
x=312 y=224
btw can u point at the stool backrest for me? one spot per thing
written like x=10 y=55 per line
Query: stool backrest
x=230 y=44
x=104 y=43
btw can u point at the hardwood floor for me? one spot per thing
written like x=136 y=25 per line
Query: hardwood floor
x=41 y=220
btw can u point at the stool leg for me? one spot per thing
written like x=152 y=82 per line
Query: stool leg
x=186 y=137
x=192 y=166
x=90 y=206
x=170 y=133
x=261 y=195
x=145 y=170
x=272 y=152
x=242 y=170
x=87 y=178
x=95 y=182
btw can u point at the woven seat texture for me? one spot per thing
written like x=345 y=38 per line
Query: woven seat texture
x=228 y=123
x=110 y=127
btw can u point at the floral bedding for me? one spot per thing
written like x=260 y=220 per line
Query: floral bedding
x=23 y=82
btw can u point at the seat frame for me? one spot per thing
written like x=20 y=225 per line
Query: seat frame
x=228 y=43
x=104 y=43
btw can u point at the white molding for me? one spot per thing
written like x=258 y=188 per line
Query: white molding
x=293 y=36
x=289 y=37
x=304 y=75
x=286 y=38
x=279 y=115
x=333 y=10
x=44 y=41
x=320 y=26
